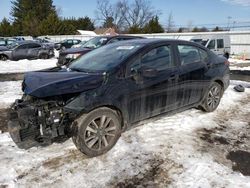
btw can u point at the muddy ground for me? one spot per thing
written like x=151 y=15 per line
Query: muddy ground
x=227 y=142
x=3 y=120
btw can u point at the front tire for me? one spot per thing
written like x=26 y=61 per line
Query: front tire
x=3 y=58
x=212 y=98
x=98 y=131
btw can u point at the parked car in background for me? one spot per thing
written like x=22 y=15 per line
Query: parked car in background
x=26 y=50
x=19 y=38
x=112 y=88
x=68 y=43
x=219 y=44
x=45 y=42
x=80 y=44
x=6 y=42
x=66 y=56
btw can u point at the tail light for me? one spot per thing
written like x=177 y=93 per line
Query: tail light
x=227 y=62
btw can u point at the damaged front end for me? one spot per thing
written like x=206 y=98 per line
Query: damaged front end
x=36 y=122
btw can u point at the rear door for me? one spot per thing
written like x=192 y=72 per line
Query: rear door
x=152 y=83
x=33 y=50
x=194 y=63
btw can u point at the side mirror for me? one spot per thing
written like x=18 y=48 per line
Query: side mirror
x=149 y=72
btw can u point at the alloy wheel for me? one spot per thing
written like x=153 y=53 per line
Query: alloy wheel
x=213 y=98
x=100 y=132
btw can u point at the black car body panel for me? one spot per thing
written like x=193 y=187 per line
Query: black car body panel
x=55 y=98
x=64 y=60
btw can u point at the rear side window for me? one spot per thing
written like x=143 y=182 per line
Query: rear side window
x=220 y=43
x=191 y=54
x=70 y=42
x=159 y=58
x=34 y=46
x=188 y=54
x=204 y=56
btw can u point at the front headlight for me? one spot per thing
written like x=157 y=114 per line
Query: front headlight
x=72 y=56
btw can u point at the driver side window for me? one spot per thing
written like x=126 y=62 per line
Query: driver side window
x=159 y=58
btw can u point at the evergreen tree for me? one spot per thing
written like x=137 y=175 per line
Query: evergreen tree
x=85 y=24
x=135 y=30
x=28 y=14
x=5 y=28
x=153 y=26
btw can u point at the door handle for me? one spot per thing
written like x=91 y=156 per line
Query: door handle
x=173 y=77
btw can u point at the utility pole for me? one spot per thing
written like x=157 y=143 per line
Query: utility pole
x=228 y=23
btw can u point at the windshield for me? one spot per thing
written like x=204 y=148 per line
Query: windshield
x=95 y=42
x=12 y=45
x=200 y=41
x=104 y=58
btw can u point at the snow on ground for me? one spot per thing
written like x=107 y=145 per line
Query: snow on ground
x=237 y=64
x=26 y=65
x=240 y=68
x=9 y=91
x=237 y=61
x=165 y=151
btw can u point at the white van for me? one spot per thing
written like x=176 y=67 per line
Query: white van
x=220 y=44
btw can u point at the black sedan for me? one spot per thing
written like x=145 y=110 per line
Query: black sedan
x=66 y=56
x=67 y=43
x=112 y=88
x=26 y=50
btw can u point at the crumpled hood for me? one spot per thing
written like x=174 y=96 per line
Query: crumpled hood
x=75 y=51
x=45 y=84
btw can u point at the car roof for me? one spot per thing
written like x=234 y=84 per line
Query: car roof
x=117 y=36
x=152 y=41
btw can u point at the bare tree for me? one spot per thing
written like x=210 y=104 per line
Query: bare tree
x=106 y=12
x=126 y=15
x=170 y=24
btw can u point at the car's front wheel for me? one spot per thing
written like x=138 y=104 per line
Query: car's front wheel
x=98 y=131
x=3 y=58
x=213 y=97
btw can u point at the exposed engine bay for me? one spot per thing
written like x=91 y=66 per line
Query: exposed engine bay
x=36 y=122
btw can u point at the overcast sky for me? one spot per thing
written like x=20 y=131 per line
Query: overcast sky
x=184 y=11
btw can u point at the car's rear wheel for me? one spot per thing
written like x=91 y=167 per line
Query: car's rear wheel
x=3 y=58
x=98 y=131
x=43 y=56
x=213 y=97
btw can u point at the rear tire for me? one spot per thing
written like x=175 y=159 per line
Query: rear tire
x=43 y=56
x=98 y=131
x=212 y=98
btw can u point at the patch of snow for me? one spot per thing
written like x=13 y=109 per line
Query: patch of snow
x=240 y=68
x=9 y=92
x=237 y=61
x=26 y=65
x=56 y=52
x=237 y=82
